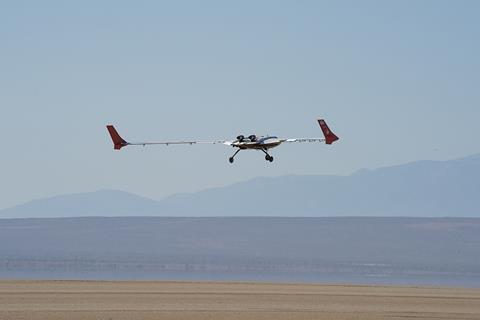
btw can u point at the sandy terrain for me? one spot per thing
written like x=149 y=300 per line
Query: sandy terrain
x=209 y=300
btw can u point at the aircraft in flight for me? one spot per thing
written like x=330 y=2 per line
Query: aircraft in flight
x=252 y=142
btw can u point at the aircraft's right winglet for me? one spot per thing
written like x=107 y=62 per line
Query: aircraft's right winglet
x=118 y=142
x=330 y=137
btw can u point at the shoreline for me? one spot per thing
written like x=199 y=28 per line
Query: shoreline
x=92 y=299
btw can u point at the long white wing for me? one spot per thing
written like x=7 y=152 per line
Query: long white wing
x=119 y=142
x=166 y=143
x=303 y=140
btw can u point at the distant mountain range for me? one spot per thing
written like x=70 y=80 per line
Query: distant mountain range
x=418 y=189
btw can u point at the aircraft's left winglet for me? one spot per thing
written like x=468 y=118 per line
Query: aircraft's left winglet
x=330 y=137
x=118 y=142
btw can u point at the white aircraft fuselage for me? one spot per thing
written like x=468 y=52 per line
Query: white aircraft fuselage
x=260 y=143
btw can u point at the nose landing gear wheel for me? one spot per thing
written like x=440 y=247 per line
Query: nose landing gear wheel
x=230 y=159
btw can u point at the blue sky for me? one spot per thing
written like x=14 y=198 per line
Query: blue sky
x=398 y=81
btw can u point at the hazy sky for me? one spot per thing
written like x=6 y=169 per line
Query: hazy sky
x=398 y=81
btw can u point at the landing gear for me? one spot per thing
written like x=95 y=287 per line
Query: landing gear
x=232 y=157
x=267 y=156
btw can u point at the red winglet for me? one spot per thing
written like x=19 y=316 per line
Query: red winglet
x=118 y=142
x=330 y=137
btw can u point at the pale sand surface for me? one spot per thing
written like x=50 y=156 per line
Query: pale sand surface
x=223 y=300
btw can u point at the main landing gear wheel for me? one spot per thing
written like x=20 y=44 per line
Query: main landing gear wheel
x=268 y=158
x=231 y=158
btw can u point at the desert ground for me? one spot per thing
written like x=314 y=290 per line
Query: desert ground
x=229 y=300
